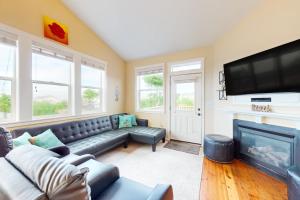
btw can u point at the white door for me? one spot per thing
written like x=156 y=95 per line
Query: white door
x=186 y=119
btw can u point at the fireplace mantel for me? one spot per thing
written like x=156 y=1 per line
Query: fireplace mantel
x=260 y=116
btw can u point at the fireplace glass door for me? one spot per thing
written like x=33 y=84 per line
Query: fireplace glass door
x=271 y=150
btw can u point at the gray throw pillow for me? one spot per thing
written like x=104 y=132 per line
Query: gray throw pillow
x=51 y=175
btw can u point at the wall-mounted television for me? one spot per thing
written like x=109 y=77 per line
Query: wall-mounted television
x=271 y=71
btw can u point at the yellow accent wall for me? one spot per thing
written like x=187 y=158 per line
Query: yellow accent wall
x=27 y=15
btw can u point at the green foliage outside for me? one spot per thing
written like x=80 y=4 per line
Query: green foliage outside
x=152 y=100
x=90 y=95
x=154 y=80
x=41 y=108
x=184 y=101
x=5 y=104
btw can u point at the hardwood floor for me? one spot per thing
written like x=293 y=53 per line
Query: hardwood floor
x=238 y=181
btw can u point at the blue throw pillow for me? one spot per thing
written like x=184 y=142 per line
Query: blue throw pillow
x=125 y=121
x=21 y=140
x=133 y=120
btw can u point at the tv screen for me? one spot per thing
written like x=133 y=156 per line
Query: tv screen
x=274 y=70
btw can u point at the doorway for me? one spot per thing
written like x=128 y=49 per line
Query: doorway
x=186 y=107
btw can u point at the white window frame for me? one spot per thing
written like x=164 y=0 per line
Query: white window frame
x=58 y=55
x=11 y=37
x=149 y=68
x=101 y=88
x=22 y=102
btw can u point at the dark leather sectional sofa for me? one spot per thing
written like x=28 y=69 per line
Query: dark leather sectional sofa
x=32 y=173
x=85 y=139
x=97 y=135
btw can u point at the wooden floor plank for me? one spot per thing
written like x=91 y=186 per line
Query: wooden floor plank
x=238 y=181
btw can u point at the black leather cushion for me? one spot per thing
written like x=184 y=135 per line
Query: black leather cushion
x=218 y=148
x=61 y=150
x=125 y=189
x=98 y=143
x=146 y=135
x=100 y=176
x=293 y=182
x=115 y=120
x=72 y=131
x=6 y=142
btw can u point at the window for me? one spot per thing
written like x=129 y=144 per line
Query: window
x=7 y=74
x=91 y=88
x=150 y=89
x=51 y=73
x=196 y=65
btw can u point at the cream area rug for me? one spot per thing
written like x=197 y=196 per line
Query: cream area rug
x=139 y=163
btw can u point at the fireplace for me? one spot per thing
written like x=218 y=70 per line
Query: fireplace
x=269 y=148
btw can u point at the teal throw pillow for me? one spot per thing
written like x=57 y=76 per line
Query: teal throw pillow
x=46 y=140
x=125 y=121
x=21 y=140
x=133 y=120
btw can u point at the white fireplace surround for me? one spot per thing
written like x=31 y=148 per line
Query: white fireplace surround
x=260 y=116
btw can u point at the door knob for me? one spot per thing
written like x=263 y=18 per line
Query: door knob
x=199 y=114
x=198 y=109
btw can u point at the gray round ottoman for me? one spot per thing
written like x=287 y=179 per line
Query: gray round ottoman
x=218 y=148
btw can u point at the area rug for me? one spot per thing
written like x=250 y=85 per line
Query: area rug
x=184 y=147
x=139 y=163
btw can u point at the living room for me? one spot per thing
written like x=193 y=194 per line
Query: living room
x=149 y=100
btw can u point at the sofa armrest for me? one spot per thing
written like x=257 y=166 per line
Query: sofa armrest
x=76 y=160
x=6 y=142
x=161 y=192
x=61 y=150
x=142 y=122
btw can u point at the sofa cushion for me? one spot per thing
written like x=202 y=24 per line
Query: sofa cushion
x=14 y=185
x=147 y=135
x=126 y=189
x=51 y=175
x=100 y=176
x=115 y=120
x=98 y=143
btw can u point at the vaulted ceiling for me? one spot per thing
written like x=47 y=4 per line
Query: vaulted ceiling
x=143 y=28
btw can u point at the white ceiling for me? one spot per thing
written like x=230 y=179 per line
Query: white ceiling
x=143 y=28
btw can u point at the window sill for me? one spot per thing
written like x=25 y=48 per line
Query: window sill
x=150 y=112
x=50 y=120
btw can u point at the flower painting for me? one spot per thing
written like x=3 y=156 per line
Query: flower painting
x=55 y=30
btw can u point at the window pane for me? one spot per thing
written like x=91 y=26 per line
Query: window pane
x=151 y=100
x=50 y=69
x=177 y=68
x=151 y=81
x=7 y=60
x=5 y=100
x=90 y=76
x=91 y=100
x=185 y=96
x=49 y=100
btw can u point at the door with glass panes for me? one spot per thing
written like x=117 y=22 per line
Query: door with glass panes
x=186 y=119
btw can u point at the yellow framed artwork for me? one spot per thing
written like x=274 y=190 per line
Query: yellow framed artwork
x=55 y=30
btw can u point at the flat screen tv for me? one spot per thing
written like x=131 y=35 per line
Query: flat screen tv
x=271 y=71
